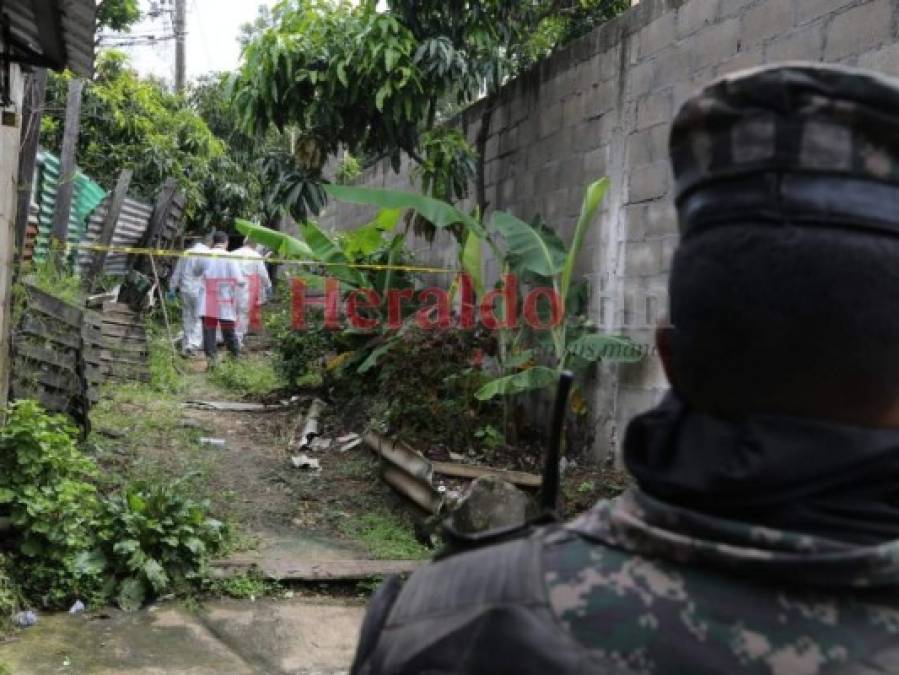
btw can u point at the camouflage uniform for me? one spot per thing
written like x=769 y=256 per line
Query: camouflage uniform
x=640 y=585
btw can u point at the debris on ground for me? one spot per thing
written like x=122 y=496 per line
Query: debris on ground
x=304 y=461
x=408 y=472
x=348 y=442
x=217 y=442
x=25 y=619
x=311 y=426
x=520 y=478
x=489 y=504
x=77 y=608
x=233 y=406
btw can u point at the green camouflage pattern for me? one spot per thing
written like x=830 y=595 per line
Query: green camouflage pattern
x=802 y=117
x=657 y=589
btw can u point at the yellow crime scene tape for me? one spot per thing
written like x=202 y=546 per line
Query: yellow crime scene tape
x=165 y=253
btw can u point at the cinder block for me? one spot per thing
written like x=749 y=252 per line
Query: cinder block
x=643 y=259
x=729 y=8
x=650 y=220
x=804 y=44
x=573 y=110
x=550 y=120
x=809 y=10
x=649 y=181
x=741 y=61
x=859 y=29
x=595 y=163
x=671 y=65
x=656 y=36
x=696 y=14
x=653 y=109
x=639 y=79
x=647 y=146
x=884 y=60
x=766 y=20
x=715 y=44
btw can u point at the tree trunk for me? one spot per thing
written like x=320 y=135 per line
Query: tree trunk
x=481 y=149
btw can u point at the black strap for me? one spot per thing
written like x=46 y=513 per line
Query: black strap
x=816 y=199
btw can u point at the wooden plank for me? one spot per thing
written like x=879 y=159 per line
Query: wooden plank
x=55 y=379
x=304 y=570
x=120 y=307
x=32 y=113
x=473 y=471
x=39 y=328
x=131 y=359
x=125 y=347
x=52 y=400
x=66 y=189
x=98 y=259
x=124 y=332
x=52 y=306
x=41 y=354
x=120 y=320
x=157 y=222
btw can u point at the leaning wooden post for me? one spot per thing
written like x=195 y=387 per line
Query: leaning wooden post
x=98 y=260
x=32 y=113
x=60 y=233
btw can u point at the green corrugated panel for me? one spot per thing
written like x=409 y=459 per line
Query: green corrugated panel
x=87 y=195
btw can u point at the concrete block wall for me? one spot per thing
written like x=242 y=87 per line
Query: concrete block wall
x=603 y=106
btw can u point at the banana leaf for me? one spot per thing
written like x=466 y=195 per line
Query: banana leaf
x=326 y=250
x=538 y=377
x=282 y=244
x=437 y=212
x=592 y=198
x=530 y=249
x=471 y=258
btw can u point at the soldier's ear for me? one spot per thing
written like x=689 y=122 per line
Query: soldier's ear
x=664 y=340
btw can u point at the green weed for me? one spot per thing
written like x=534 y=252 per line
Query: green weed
x=164 y=374
x=387 y=536
x=249 y=376
x=249 y=586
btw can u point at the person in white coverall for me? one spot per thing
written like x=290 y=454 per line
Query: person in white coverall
x=221 y=278
x=188 y=286
x=253 y=295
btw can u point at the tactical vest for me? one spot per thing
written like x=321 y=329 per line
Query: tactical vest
x=487 y=611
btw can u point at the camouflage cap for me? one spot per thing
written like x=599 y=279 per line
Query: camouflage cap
x=795 y=142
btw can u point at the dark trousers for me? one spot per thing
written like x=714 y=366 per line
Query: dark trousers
x=210 y=326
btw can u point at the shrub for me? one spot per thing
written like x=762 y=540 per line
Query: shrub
x=155 y=539
x=69 y=543
x=54 y=509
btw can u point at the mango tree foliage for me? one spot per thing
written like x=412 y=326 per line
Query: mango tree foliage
x=129 y=121
x=380 y=83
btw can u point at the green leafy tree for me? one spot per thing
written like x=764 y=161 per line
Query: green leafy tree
x=117 y=15
x=380 y=83
x=130 y=121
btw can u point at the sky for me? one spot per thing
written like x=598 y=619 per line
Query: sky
x=212 y=30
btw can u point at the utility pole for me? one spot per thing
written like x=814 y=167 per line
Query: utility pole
x=64 y=193
x=180 y=36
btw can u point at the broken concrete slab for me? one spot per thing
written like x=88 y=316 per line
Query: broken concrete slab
x=301 y=570
x=162 y=639
x=299 y=636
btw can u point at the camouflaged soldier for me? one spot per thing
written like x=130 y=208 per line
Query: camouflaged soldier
x=764 y=534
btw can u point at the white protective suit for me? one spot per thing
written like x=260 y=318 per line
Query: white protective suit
x=256 y=291
x=184 y=280
x=220 y=277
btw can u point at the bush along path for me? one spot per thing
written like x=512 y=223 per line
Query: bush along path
x=141 y=514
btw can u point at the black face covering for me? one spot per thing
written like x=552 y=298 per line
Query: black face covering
x=807 y=476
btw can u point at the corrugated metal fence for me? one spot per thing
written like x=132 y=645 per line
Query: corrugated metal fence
x=87 y=195
x=130 y=229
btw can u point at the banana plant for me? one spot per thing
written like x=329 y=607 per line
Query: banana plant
x=532 y=252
